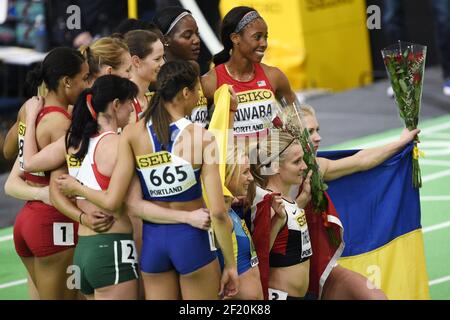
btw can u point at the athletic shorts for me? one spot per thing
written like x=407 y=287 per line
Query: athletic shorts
x=40 y=230
x=105 y=259
x=178 y=247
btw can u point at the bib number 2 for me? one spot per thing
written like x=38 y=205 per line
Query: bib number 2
x=129 y=253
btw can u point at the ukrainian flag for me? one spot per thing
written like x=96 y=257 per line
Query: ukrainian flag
x=380 y=212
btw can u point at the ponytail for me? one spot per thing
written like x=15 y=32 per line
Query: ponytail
x=157 y=110
x=34 y=79
x=89 y=104
x=172 y=78
x=58 y=63
x=83 y=126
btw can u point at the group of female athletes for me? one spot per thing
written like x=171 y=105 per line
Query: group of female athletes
x=112 y=175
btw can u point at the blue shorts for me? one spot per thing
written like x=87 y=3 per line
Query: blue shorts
x=178 y=247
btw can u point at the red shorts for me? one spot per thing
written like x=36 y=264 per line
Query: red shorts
x=40 y=230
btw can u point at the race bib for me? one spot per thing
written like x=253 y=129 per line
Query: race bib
x=129 y=253
x=63 y=234
x=299 y=223
x=254 y=112
x=275 y=294
x=165 y=174
x=199 y=115
x=73 y=165
x=21 y=141
x=212 y=240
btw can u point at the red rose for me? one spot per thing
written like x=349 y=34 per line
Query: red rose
x=398 y=58
x=419 y=56
x=416 y=78
x=277 y=122
x=410 y=57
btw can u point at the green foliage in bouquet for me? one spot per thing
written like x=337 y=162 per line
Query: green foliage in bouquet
x=289 y=120
x=405 y=65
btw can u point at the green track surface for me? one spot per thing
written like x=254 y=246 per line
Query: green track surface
x=435 y=142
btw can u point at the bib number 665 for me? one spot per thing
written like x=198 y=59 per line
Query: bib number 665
x=168 y=177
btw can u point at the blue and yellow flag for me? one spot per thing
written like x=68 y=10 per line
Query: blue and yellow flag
x=219 y=127
x=380 y=212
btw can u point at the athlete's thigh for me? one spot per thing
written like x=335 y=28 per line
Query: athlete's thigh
x=161 y=286
x=51 y=275
x=127 y=290
x=203 y=283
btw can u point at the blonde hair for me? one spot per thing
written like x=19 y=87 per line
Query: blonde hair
x=104 y=51
x=307 y=110
x=270 y=149
x=232 y=167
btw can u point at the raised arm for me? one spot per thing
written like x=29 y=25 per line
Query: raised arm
x=17 y=188
x=49 y=158
x=113 y=198
x=364 y=159
x=148 y=211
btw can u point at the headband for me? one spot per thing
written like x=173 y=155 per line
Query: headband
x=268 y=162
x=246 y=19
x=177 y=19
x=89 y=106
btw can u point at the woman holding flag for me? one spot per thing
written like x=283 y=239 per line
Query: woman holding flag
x=343 y=283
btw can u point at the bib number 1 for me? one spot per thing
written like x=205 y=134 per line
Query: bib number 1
x=63 y=234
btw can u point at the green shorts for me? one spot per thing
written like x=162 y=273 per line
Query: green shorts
x=105 y=259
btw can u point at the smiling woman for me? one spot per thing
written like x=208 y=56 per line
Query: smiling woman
x=244 y=37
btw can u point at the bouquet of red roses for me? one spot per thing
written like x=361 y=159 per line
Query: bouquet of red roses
x=405 y=65
x=288 y=118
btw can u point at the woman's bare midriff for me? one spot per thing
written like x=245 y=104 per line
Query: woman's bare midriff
x=293 y=279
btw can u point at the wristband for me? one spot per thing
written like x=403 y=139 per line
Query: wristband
x=79 y=218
